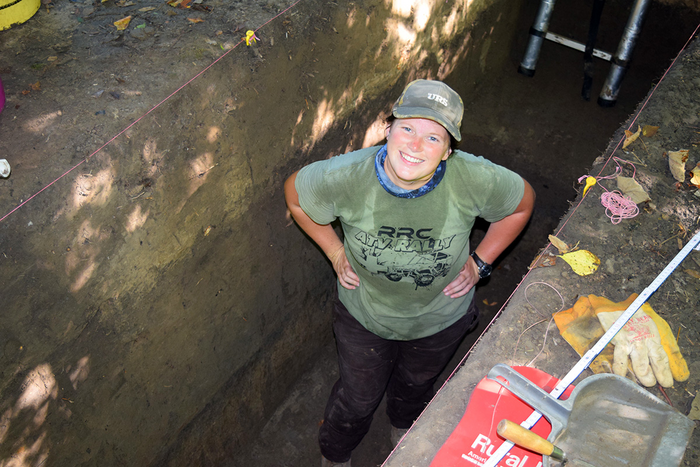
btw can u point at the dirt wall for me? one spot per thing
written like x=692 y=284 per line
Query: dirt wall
x=157 y=300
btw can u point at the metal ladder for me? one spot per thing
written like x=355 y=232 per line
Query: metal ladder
x=618 y=64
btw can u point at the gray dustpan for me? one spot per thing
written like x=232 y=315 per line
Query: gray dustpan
x=607 y=421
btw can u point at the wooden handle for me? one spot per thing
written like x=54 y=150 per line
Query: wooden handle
x=527 y=439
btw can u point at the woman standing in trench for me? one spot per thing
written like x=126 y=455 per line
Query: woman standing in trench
x=406 y=272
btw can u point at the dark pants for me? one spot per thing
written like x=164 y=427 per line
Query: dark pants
x=369 y=366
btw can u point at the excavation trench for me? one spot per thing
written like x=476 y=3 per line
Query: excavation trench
x=160 y=307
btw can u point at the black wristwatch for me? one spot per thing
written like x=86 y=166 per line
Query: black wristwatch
x=484 y=268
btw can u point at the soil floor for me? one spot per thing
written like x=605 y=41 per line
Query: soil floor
x=539 y=127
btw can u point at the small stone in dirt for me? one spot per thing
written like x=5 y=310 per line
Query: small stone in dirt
x=100 y=112
x=142 y=33
x=114 y=94
x=62 y=47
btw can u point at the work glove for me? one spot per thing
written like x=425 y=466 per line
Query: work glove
x=646 y=340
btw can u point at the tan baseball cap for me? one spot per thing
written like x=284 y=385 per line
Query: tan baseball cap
x=433 y=100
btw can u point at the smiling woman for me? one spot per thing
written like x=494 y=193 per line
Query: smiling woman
x=405 y=269
x=415 y=148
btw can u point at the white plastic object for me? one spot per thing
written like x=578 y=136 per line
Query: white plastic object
x=4 y=168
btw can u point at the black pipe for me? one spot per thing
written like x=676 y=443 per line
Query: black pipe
x=596 y=13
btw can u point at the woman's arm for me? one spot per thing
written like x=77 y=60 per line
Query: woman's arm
x=324 y=236
x=498 y=236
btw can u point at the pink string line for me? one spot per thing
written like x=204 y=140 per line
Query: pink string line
x=146 y=114
x=617 y=206
x=558 y=231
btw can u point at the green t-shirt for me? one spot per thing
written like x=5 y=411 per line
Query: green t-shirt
x=406 y=251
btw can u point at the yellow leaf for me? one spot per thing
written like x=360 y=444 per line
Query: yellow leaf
x=631 y=137
x=676 y=162
x=195 y=20
x=561 y=246
x=583 y=262
x=696 y=175
x=179 y=3
x=122 y=23
x=148 y=8
x=649 y=130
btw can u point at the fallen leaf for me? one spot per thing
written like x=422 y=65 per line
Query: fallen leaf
x=195 y=20
x=52 y=58
x=544 y=261
x=25 y=92
x=182 y=4
x=692 y=272
x=36 y=86
x=631 y=137
x=696 y=175
x=122 y=23
x=583 y=262
x=148 y=8
x=486 y=302
x=632 y=189
x=649 y=130
x=561 y=246
x=694 y=413
x=676 y=162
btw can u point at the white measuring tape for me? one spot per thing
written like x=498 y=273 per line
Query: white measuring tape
x=593 y=352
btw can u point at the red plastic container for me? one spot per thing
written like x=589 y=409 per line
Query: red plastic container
x=475 y=439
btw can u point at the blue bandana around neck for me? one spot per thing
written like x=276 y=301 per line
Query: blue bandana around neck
x=399 y=192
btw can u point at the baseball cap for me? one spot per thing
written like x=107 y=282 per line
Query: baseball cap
x=433 y=100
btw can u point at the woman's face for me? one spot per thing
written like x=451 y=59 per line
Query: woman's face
x=415 y=147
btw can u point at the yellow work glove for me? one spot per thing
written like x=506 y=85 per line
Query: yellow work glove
x=646 y=340
x=581 y=329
